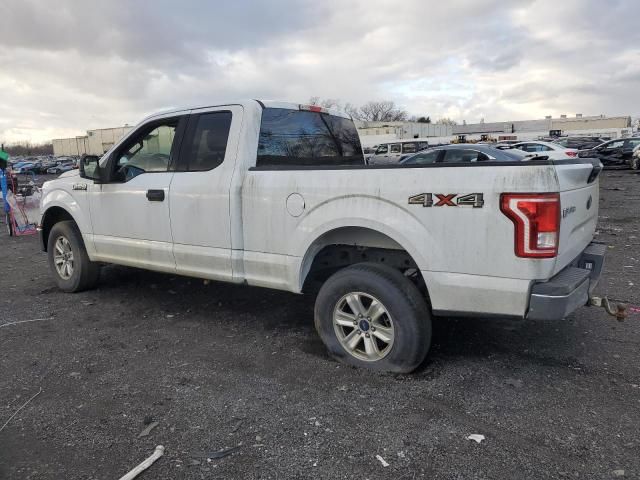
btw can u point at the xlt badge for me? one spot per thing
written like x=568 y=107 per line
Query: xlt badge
x=474 y=200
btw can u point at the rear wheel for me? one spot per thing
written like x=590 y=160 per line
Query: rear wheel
x=372 y=316
x=68 y=259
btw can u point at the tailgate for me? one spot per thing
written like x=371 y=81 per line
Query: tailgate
x=579 y=198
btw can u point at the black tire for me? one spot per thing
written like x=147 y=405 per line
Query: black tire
x=7 y=219
x=401 y=299
x=85 y=273
x=635 y=163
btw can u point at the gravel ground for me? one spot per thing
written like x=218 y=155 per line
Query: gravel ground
x=221 y=366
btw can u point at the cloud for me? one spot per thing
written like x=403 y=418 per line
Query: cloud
x=72 y=65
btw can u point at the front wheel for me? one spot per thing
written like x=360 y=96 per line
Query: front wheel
x=68 y=259
x=372 y=316
x=635 y=163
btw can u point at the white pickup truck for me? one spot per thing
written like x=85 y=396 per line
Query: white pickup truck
x=277 y=195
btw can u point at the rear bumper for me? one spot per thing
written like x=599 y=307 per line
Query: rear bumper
x=570 y=288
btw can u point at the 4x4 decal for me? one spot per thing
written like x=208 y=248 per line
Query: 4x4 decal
x=474 y=200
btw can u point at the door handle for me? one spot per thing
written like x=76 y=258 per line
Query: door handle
x=155 y=195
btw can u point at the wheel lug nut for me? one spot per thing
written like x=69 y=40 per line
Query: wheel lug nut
x=355 y=323
x=359 y=332
x=373 y=329
x=366 y=335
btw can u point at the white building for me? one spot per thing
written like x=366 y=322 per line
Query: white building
x=593 y=126
x=96 y=142
x=373 y=133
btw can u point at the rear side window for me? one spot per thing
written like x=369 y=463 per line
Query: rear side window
x=409 y=148
x=302 y=138
x=205 y=141
x=395 y=148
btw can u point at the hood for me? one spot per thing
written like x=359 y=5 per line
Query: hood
x=71 y=173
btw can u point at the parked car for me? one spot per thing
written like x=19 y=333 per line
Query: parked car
x=634 y=161
x=61 y=167
x=549 y=149
x=295 y=206
x=613 y=152
x=464 y=153
x=26 y=167
x=579 y=143
x=46 y=165
x=393 y=152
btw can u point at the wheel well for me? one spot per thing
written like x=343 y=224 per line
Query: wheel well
x=350 y=245
x=50 y=218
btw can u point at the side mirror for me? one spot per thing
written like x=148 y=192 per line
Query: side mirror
x=90 y=168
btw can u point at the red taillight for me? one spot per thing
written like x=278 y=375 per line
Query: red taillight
x=571 y=154
x=536 y=217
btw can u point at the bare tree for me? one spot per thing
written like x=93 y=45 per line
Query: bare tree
x=446 y=121
x=325 y=103
x=28 y=148
x=384 y=111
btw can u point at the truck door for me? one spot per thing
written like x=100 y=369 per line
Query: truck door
x=130 y=211
x=199 y=197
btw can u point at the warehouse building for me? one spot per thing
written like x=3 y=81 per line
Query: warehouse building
x=373 y=133
x=96 y=142
x=593 y=126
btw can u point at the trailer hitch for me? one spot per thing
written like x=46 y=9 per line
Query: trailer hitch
x=618 y=310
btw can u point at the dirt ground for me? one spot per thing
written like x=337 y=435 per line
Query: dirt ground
x=221 y=366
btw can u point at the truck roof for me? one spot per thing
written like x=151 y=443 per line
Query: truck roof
x=247 y=103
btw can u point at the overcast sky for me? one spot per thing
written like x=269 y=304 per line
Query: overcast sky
x=68 y=66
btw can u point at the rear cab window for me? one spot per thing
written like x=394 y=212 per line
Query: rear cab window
x=292 y=138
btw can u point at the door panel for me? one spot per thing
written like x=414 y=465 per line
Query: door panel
x=130 y=213
x=200 y=200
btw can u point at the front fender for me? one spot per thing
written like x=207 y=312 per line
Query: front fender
x=61 y=198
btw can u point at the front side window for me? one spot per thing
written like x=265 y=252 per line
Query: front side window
x=148 y=152
x=463 y=156
x=395 y=148
x=291 y=137
x=423 y=158
x=382 y=149
x=205 y=141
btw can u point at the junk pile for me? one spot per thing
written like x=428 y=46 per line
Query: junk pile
x=20 y=202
